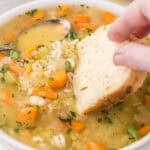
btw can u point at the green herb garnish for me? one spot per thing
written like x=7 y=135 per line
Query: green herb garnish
x=105 y=112
x=68 y=66
x=132 y=132
x=84 y=88
x=89 y=31
x=72 y=35
x=65 y=120
x=19 y=124
x=14 y=54
x=30 y=127
x=31 y=12
x=119 y=106
x=107 y=120
x=51 y=78
x=99 y=120
x=73 y=113
x=16 y=130
x=12 y=95
x=1 y=76
x=4 y=68
x=82 y=5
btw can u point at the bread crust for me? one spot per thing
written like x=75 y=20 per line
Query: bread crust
x=130 y=85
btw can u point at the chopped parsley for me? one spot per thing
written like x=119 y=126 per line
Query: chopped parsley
x=14 y=54
x=12 y=95
x=73 y=113
x=82 y=5
x=68 y=66
x=84 y=88
x=16 y=130
x=99 y=120
x=65 y=120
x=51 y=78
x=89 y=31
x=4 y=68
x=31 y=12
x=105 y=112
x=72 y=35
x=119 y=106
x=19 y=124
x=31 y=127
x=132 y=132
x=107 y=120
x=1 y=76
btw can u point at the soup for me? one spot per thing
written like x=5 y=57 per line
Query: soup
x=37 y=104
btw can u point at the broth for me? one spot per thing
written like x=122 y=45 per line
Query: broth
x=37 y=104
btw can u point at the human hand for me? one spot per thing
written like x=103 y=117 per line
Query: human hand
x=135 y=21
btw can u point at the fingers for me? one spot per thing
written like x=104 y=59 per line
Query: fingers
x=141 y=32
x=134 y=55
x=135 y=18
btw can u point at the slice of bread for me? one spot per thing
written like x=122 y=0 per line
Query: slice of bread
x=98 y=82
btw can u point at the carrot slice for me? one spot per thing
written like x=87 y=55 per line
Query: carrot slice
x=95 y=146
x=29 y=52
x=28 y=115
x=107 y=17
x=63 y=10
x=144 y=130
x=81 y=18
x=1 y=56
x=147 y=101
x=10 y=35
x=77 y=126
x=16 y=69
x=45 y=92
x=26 y=23
x=39 y=14
x=8 y=97
x=58 y=79
x=78 y=26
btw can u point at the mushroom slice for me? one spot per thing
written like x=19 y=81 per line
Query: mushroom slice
x=43 y=33
x=6 y=47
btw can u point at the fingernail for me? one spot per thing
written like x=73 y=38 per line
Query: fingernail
x=117 y=59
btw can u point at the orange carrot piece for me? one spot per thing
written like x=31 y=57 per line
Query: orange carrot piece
x=107 y=17
x=29 y=52
x=45 y=92
x=58 y=79
x=1 y=56
x=28 y=115
x=8 y=97
x=16 y=69
x=95 y=146
x=10 y=35
x=78 y=26
x=63 y=10
x=144 y=130
x=29 y=69
x=26 y=23
x=77 y=126
x=81 y=18
x=147 y=101
x=38 y=15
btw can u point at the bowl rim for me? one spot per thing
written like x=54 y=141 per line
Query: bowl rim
x=103 y=4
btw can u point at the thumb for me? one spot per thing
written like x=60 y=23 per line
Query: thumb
x=134 y=55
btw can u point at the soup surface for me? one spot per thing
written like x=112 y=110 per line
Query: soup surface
x=37 y=103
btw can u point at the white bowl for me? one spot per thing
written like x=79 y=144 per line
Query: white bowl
x=9 y=143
